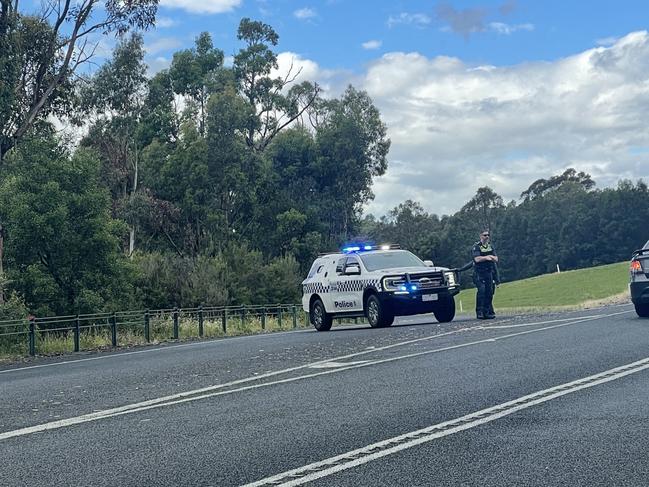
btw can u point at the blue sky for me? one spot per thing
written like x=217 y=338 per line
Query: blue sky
x=331 y=32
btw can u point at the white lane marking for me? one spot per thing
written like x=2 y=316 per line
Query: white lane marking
x=191 y=396
x=333 y=365
x=520 y=325
x=360 y=456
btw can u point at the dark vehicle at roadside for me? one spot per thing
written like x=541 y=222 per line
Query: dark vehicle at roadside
x=639 y=283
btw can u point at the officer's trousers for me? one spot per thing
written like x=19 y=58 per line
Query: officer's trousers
x=484 y=283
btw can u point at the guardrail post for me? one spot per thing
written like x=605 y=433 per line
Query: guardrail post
x=147 y=326
x=243 y=316
x=279 y=316
x=263 y=318
x=77 y=333
x=224 y=321
x=175 y=316
x=294 y=316
x=306 y=319
x=32 y=337
x=113 y=329
x=200 y=322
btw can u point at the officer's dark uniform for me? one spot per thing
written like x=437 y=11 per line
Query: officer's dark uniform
x=484 y=275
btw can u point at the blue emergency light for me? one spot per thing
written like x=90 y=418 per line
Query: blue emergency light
x=412 y=287
x=365 y=247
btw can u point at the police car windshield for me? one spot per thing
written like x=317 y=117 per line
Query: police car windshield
x=389 y=260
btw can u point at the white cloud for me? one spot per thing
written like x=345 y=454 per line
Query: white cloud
x=507 y=29
x=374 y=44
x=305 y=13
x=456 y=127
x=606 y=41
x=164 y=22
x=157 y=64
x=417 y=19
x=291 y=65
x=202 y=6
x=162 y=44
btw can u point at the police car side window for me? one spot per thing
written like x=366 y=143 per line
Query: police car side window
x=352 y=261
x=340 y=267
x=312 y=271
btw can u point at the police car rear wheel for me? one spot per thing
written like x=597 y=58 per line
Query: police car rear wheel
x=445 y=310
x=642 y=310
x=321 y=320
x=377 y=314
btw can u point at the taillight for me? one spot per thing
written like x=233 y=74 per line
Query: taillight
x=635 y=266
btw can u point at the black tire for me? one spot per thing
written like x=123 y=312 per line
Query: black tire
x=642 y=310
x=445 y=310
x=320 y=319
x=378 y=315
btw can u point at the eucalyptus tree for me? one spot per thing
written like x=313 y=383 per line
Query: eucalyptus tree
x=275 y=102
x=196 y=74
x=486 y=204
x=41 y=53
x=353 y=147
x=115 y=95
x=63 y=251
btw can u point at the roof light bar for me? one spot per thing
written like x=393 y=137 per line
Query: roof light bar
x=365 y=247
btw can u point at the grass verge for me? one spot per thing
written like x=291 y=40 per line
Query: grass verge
x=577 y=289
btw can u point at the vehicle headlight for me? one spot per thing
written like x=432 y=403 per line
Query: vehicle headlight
x=450 y=278
x=393 y=283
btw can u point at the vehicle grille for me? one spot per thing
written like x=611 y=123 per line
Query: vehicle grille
x=428 y=280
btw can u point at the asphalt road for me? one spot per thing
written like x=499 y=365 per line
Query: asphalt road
x=560 y=399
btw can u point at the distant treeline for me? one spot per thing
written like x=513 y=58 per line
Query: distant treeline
x=214 y=184
x=560 y=221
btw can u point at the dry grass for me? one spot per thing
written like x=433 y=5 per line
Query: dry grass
x=160 y=330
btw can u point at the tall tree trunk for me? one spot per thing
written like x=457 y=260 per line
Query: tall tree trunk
x=131 y=239
x=2 y=244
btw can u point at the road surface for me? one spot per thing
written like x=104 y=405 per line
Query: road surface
x=554 y=399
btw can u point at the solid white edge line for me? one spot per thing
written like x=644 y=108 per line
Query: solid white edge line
x=512 y=407
x=191 y=396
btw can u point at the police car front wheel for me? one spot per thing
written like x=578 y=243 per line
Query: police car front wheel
x=321 y=320
x=445 y=311
x=378 y=315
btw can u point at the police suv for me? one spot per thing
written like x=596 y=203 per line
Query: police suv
x=378 y=282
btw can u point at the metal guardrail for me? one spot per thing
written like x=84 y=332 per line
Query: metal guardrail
x=165 y=323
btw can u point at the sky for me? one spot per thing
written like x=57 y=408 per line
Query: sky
x=474 y=93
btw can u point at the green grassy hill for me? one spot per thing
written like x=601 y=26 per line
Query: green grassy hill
x=569 y=288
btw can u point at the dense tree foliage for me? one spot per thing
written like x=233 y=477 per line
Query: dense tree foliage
x=214 y=184
x=62 y=246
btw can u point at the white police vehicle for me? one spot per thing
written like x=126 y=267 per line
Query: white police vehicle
x=378 y=282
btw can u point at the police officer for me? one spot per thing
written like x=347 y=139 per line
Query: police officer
x=485 y=275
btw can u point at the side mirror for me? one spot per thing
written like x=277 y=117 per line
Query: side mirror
x=429 y=263
x=352 y=270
